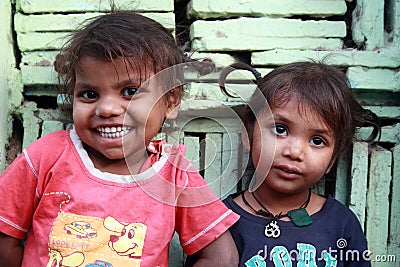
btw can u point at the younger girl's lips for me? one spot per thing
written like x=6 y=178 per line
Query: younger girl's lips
x=287 y=171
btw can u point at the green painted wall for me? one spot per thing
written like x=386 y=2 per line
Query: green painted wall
x=362 y=36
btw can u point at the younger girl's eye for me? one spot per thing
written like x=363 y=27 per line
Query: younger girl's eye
x=130 y=91
x=279 y=130
x=317 y=141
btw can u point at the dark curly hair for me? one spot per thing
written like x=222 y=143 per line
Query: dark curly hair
x=145 y=44
x=321 y=87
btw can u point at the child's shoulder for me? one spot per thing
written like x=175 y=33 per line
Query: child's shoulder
x=162 y=148
x=178 y=153
x=50 y=143
x=57 y=135
x=54 y=137
x=337 y=205
x=339 y=209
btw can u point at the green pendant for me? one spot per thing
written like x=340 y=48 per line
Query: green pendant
x=300 y=217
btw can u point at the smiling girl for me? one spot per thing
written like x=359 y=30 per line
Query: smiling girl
x=105 y=191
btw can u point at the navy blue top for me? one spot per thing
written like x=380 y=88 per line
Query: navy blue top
x=335 y=238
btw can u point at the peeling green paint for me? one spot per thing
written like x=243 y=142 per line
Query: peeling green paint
x=6 y=68
x=368 y=24
x=39 y=6
x=30 y=123
x=394 y=237
x=266 y=36
x=224 y=9
x=377 y=213
x=380 y=58
x=359 y=179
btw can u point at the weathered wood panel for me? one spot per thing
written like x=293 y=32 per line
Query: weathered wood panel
x=213 y=162
x=368 y=24
x=217 y=155
x=230 y=169
x=377 y=216
x=342 y=185
x=359 y=180
x=394 y=227
x=193 y=150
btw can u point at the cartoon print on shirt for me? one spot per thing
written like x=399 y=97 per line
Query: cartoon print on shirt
x=129 y=238
x=80 y=229
x=99 y=263
x=82 y=240
x=56 y=259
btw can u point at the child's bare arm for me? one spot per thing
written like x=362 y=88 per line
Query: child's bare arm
x=10 y=251
x=221 y=252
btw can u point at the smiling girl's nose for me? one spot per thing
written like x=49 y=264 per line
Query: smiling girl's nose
x=109 y=106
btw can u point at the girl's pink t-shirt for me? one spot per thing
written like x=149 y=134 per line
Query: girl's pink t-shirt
x=71 y=212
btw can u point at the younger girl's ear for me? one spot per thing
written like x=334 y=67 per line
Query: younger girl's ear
x=173 y=102
x=245 y=139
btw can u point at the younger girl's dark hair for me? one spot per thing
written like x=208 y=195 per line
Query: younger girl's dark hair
x=319 y=86
x=145 y=44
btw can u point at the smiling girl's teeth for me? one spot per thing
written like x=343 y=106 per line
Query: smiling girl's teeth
x=113 y=132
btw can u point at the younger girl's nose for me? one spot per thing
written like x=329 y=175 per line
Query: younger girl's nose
x=109 y=106
x=294 y=149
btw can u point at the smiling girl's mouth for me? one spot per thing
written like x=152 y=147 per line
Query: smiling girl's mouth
x=113 y=132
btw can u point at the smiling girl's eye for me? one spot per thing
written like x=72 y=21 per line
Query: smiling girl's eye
x=317 y=141
x=89 y=94
x=279 y=130
x=129 y=91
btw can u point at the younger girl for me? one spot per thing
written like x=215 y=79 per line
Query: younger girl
x=104 y=193
x=307 y=118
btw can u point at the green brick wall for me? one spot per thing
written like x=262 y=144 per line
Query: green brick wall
x=361 y=36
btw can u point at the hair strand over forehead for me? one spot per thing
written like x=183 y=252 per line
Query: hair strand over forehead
x=144 y=43
x=318 y=87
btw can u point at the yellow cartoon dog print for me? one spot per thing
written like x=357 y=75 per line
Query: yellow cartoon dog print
x=128 y=239
x=56 y=259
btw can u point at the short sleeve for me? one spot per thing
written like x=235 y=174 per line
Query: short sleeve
x=18 y=185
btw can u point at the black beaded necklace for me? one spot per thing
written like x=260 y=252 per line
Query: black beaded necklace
x=299 y=217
